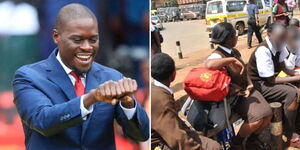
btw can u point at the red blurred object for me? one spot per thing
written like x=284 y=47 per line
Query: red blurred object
x=207 y=85
x=11 y=130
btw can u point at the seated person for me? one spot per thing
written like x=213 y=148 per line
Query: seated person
x=251 y=106
x=294 y=22
x=168 y=131
x=263 y=67
x=292 y=47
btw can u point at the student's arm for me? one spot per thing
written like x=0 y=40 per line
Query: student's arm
x=286 y=70
x=219 y=63
x=273 y=80
x=249 y=86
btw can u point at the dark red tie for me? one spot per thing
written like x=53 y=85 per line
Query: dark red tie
x=79 y=88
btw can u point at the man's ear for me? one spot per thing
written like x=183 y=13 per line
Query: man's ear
x=173 y=76
x=55 y=36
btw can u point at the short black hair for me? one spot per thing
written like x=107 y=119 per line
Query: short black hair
x=221 y=32
x=294 y=22
x=275 y=25
x=162 y=66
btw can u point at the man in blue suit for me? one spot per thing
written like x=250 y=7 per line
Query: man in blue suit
x=68 y=101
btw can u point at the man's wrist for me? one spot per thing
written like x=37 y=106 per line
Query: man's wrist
x=89 y=99
x=128 y=104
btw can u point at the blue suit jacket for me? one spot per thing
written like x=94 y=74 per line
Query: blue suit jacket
x=50 y=111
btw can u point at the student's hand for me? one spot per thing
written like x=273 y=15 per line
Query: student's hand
x=248 y=90
x=297 y=73
x=239 y=65
x=114 y=91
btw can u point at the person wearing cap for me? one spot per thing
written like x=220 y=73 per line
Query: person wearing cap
x=248 y=102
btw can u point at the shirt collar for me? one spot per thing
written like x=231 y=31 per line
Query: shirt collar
x=273 y=50
x=157 y=83
x=227 y=50
x=66 y=69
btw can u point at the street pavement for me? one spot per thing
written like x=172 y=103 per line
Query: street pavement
x=191 y=34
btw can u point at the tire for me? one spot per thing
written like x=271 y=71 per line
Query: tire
x=240 y=26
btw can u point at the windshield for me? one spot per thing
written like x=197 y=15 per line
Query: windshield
x=214 y=7
x=233 y=6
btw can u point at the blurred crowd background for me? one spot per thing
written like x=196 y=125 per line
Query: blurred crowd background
x=26 y=37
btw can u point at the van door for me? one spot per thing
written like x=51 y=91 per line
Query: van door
x=262 y=13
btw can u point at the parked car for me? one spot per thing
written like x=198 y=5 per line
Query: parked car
x=157 y=22
x=162 y=14
x=192 y=11
x=234 y=12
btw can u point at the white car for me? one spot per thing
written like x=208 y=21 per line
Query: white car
x=157 y=22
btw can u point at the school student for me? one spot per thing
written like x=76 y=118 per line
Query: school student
x=263 y=67
x=294 y=22
x=292 y=47
x=251 y=106
x=168 y=131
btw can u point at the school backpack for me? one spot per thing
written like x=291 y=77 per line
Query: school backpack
x=207 y=84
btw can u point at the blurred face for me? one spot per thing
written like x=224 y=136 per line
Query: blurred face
x=292 y=41
x=78 y=43
x=278 y=37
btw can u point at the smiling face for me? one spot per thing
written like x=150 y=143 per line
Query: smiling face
x=78 y=43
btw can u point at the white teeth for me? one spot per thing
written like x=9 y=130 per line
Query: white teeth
x=83 y=56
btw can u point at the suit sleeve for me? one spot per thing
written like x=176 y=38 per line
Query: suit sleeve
x=38 y=112
x=137 y=128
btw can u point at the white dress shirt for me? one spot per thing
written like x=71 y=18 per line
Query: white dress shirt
x=157 y=83
x=264 y=62
x=217 y=56
x=84 y=112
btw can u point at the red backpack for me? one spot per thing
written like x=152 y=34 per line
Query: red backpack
x=207 y=85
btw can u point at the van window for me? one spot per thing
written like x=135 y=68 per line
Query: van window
x=259 y=4
x=214 y=7
x=233 y=6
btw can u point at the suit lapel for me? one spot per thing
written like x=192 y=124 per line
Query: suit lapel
x=92 y=81
x=59 y=77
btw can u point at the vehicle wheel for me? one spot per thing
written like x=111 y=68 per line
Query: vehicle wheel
x=240 y=27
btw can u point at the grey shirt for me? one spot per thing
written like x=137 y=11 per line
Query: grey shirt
x=252 y=10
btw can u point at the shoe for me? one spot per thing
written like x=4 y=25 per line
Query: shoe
x=249 y=47
x=256 y=144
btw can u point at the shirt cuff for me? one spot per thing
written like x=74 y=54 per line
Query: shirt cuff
x=84 y=111
x=129 y=112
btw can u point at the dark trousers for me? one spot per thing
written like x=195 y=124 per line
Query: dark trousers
x=252 y=27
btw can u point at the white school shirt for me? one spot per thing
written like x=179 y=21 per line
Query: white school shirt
x=264 y=62
x=292 y=60
x=217 y=56
x=157 y=83
x=84 y=112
